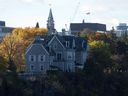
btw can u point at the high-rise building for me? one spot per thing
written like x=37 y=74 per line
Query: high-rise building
x=122 y=29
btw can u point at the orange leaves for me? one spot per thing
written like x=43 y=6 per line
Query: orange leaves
x=14 y=45
x=28 y=33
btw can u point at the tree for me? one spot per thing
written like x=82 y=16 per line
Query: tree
x=121 y=47
x=87 y=33
x=14 y=45
x=3 y=64
x=101 y=55
x=37 y=25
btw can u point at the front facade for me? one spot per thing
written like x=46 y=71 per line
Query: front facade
x=55 y=52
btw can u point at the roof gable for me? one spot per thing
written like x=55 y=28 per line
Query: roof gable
x=32 y=45
x=76 y=43
x=55 y=37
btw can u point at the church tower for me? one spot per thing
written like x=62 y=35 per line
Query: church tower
x=50 y=23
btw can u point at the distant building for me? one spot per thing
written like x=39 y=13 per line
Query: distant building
x=4 y=30
x=78 y=27
x=2 y=23
x=56 y=52
x=121 y=29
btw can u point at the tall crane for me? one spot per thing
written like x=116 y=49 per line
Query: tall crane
x=74 y=15
x=75 y=12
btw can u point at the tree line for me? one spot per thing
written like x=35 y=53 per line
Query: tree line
x=104 y=73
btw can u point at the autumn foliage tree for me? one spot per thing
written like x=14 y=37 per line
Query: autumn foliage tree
x=14 y=45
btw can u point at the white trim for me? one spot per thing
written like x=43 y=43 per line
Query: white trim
x=69 y=54
x=36 y=44
x=57 y=55
x=31 y=68
x=57 y=39
x=41 y=67
x=39 y=58
x=32 y=56
x=44 y=49
x=28 y=48
x=67 y=44
x=74 y=45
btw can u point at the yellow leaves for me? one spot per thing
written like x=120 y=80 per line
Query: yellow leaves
x=98 y=44
x=27 y=33
x=8 y=46
x=15 y=44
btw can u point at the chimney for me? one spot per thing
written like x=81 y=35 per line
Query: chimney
x=83 y=21
x=63 y=31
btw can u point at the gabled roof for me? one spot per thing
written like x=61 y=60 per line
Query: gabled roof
x=57 y=37
x=44 y=40
x=78 y=41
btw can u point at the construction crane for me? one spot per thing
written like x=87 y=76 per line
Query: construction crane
x=76 y=11
x=74 y=15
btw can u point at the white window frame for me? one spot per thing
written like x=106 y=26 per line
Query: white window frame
x=69 y=67
x=57 y=55
x=31 y=68
x=41 y=67
x=30 y=58
x=39 y=58
x=67 y=43
x=69 y=54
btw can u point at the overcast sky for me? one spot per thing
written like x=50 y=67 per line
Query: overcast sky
x=25 y=13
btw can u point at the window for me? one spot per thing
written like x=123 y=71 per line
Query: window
x=41 y=67
x=59 y=56
x=32 y=58
x=69 y=67
x=69 y=55
x=41 y=58
x=32 y=67
x=67 y=43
